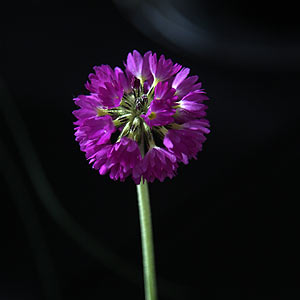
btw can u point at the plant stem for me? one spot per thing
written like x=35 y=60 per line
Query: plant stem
x=147 y=241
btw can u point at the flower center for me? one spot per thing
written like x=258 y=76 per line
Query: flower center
x=141 y=103
x=152 y=115
x=127 y=117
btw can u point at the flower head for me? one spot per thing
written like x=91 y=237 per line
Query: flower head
x=142 y=122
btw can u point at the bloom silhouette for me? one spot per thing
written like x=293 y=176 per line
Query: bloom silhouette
x=141 y=122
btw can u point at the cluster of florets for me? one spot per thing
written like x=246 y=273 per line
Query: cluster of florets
x=141 y=122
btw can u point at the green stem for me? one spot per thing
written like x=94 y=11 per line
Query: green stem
x=147 y=241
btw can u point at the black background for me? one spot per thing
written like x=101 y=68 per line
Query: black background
x=227 y=225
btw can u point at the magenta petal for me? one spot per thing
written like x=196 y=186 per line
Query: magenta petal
x=153 y=63
x=135 y=63
x=146 y=74
x=168 y=143
x=180 y=76
x=192 y=106
x=123 y=80
x=103 y=170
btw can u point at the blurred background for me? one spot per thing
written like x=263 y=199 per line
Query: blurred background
x=226 y=226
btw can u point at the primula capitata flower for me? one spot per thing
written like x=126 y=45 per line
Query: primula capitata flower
x=142 y=122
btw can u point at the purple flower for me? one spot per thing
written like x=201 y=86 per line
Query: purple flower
x=124 y=82
x=159 y=163
x=139 y=65
x=161 y=110
x=162 y=69
x=164 y=93
x=191 y=106
x=186 y=140
x=123 y=160
x=102 y=74
x=111 y=94
x=94 y=131
x=159 y=114
x=183 y=84
x=88 y=107
x=152 y=105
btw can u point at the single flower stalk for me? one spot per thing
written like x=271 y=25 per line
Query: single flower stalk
x=141 y=123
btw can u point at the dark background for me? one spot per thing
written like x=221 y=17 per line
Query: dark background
x=226 y=226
